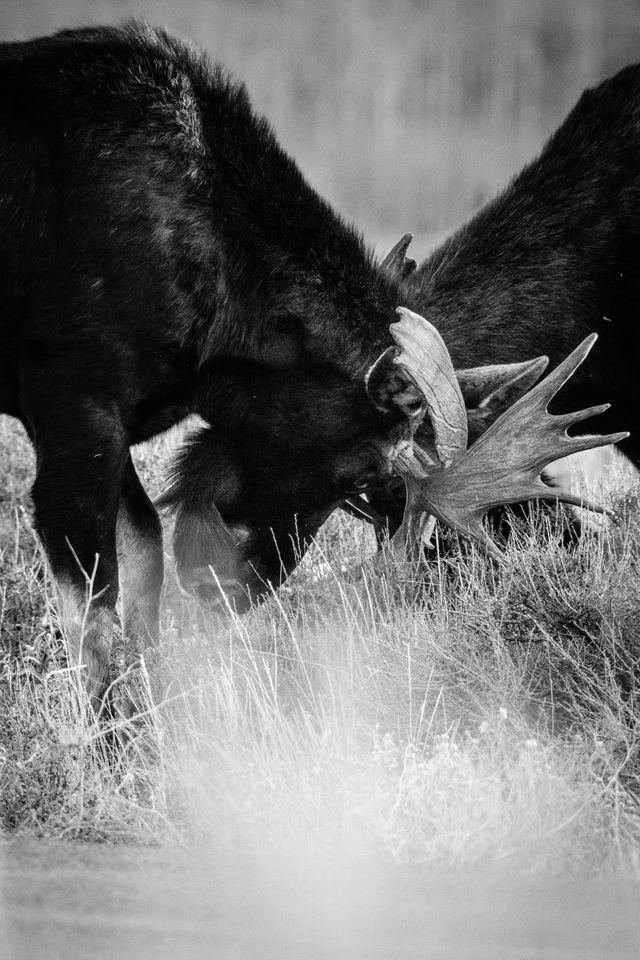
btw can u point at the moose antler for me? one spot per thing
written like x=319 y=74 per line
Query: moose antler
x=424 y=357
x=396 y=264
x=503 y=466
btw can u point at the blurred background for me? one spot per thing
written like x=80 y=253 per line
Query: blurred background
x=405 y=114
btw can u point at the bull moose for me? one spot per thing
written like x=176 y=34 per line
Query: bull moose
x=157 y=248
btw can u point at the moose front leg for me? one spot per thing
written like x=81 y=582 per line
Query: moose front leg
x=140 y=561
x=81 y=453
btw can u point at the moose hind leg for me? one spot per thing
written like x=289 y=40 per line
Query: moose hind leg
x=140 y=561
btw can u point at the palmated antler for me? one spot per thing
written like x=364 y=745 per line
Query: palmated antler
x=503 y=466
x=424 y=357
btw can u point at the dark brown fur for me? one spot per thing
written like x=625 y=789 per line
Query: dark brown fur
x=151 y=230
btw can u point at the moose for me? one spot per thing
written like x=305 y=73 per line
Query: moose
x=555 y=256
x=160 y=254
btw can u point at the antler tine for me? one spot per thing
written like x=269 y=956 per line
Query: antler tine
x=548 y=387
x=396 y=263
x=589 y=442
x=397 y=252
x=476 y=531
x=568 y=419
x=575 y=499
x=530 y=372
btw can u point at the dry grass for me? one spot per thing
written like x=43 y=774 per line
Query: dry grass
x=460 y=715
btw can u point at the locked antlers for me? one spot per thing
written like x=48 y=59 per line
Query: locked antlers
x=503 y=466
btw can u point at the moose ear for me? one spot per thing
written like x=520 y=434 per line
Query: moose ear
x=202 y=538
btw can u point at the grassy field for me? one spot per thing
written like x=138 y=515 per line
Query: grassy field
x=460 y=715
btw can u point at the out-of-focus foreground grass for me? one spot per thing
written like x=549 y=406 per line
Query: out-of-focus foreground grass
x=460 y=715
x=406 y=115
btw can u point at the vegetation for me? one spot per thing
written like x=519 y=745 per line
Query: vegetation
x=455 y=715
x=462 y=714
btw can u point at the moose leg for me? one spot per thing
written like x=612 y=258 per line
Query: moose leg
x=80 y=463
x=140 y=561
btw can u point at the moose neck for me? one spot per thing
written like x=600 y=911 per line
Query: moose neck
x=291 y=270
